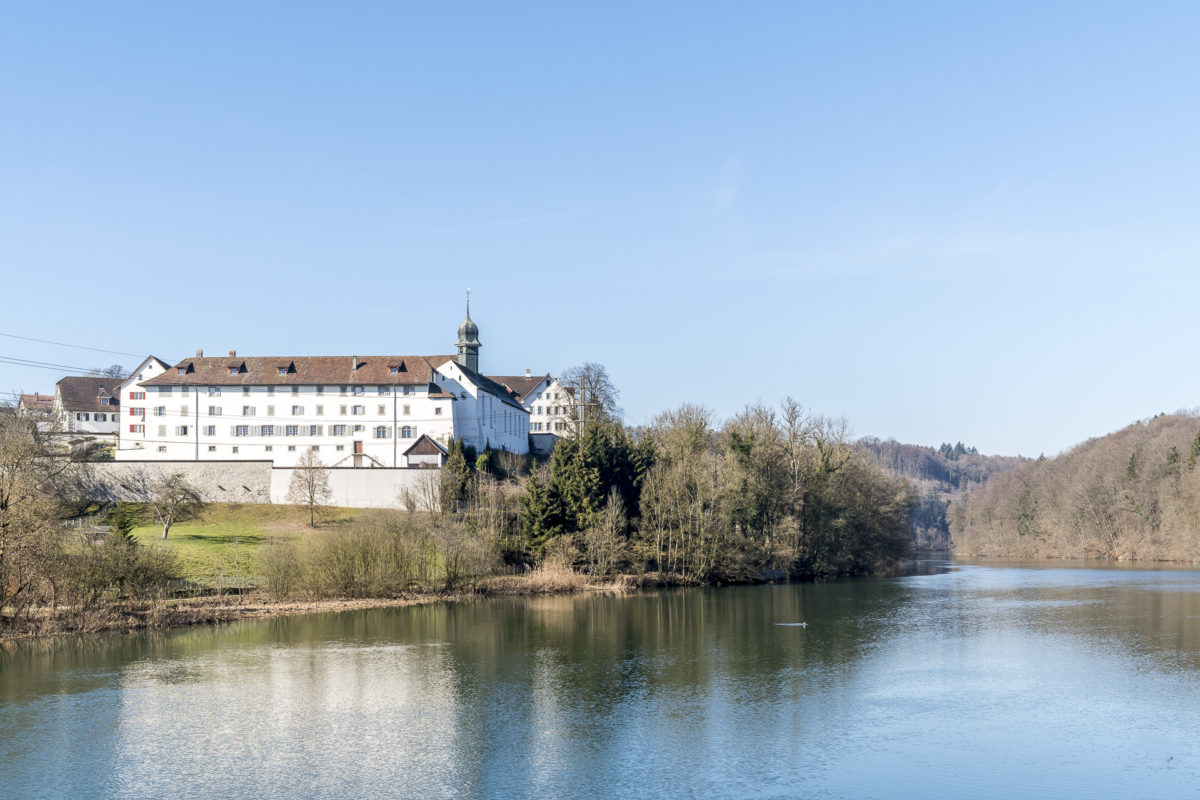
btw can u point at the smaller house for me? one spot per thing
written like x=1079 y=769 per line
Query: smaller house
x=551 y=407
x=426 y=453
x=87 y=405
x=36 y=404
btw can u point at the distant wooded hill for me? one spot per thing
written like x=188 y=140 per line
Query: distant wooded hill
x=939 y=476
x=1133 y=494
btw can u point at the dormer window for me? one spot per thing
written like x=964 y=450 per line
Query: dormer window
x=283 y=370
x=181 y=370
x=233 y=370
x=358 y=390
x=103 y=401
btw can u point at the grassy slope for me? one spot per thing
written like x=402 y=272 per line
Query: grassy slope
x=225 y=540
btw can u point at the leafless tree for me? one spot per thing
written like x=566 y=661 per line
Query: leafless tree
x=170 y=498
x=310 y=485
x=599 y=394
x=111 y=371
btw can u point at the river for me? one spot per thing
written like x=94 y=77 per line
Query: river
x=965 y=681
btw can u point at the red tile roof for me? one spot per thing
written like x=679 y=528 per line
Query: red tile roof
x=84 y=393
x=302 y=371
x=37 y=402
x=519 y=385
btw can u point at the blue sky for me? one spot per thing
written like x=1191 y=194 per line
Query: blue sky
x=955 y=221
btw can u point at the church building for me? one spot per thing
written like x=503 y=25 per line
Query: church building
x=353 y=411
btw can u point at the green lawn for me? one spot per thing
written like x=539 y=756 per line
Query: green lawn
x=222 y=544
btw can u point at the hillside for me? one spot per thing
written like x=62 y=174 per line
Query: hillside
x=939 y=476
x=1131 y=495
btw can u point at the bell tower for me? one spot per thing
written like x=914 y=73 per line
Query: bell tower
x=468 y=340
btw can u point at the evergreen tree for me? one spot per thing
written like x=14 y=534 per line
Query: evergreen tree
x=123 y=519
x=456 y=477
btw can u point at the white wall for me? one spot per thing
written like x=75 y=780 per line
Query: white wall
x=360 y=488
x=226 y=423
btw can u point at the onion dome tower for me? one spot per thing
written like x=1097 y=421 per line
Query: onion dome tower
x=468 y=340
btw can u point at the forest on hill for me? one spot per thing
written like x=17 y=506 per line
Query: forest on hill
x=939 y=478
x=1131 y=495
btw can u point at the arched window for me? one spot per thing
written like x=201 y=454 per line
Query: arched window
x=406 y=432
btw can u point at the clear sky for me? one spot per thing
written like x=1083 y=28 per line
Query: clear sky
x=971 y=221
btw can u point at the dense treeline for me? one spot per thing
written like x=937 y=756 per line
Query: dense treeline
x=940 y=477
x=1134 y=494
x=767 y=493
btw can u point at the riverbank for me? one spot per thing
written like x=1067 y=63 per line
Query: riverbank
x=185 y=612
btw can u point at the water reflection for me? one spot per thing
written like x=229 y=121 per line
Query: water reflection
x=967 y=680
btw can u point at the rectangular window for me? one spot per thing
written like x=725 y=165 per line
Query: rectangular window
x=297 y=411
x=182 y=430
x=358 y=428
x=358 y=410
x=137 y=395
x=340 y=447
x=214 y=391
x=268 y=430
x=320 y=390
x=167 y=389
x=247 y=411
x=210 y=430
x=283 y=370
x=320 y=411
x=358 y=390
x=212 y=448
x=407 y=410
x=235 y=449
x=385 y=390
x=291 y=430
x=162 y=448
x=313 y=430
x=381 y=432
x=233 y=370
x=295 y=390
x=382 y=411
x=160 y=411
x=291 y=448
x=437 y=412
x=183 y=411
x=245 y=391
x=269 y=448
x=104 y=401
x=241 y=430
x=342 y=410
x=270 y=411
x=180 y=370
x=214 y=411
x=315 y=447
x=343 y=389
x=270 y=390
x=102 y=418
x=338 y=430
x=407 y=390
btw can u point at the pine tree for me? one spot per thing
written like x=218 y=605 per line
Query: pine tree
x=123 y=519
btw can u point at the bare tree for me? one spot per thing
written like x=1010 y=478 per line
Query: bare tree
x=310 y=485
x=599 y=394
x=111 y=371
x=171 y=499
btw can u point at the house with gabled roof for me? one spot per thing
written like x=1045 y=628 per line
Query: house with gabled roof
x=551 y=406
x=88 y=405
x=355 y=411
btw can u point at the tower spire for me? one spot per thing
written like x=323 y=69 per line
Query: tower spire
x=468 y=340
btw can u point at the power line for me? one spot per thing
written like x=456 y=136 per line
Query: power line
x=76 y=346
x=24 y=362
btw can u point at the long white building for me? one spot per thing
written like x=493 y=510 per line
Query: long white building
x=355 y=411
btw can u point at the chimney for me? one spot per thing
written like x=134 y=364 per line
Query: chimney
x=354 y=363
x=527 y=372
x=233 y=353
x=199 y=354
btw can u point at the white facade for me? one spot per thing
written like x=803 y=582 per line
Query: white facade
x=131 y=432
x=485 y=413
x=551 y=409
x=348 y=425
x=88 y=406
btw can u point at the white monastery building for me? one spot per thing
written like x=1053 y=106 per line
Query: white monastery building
x=355 y=411
x=551 y=407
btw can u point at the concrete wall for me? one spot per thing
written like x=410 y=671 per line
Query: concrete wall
x=362 y=488
x=259 y=482
x=217 y=481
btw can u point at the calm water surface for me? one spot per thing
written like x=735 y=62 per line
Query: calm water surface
x=969 y=682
